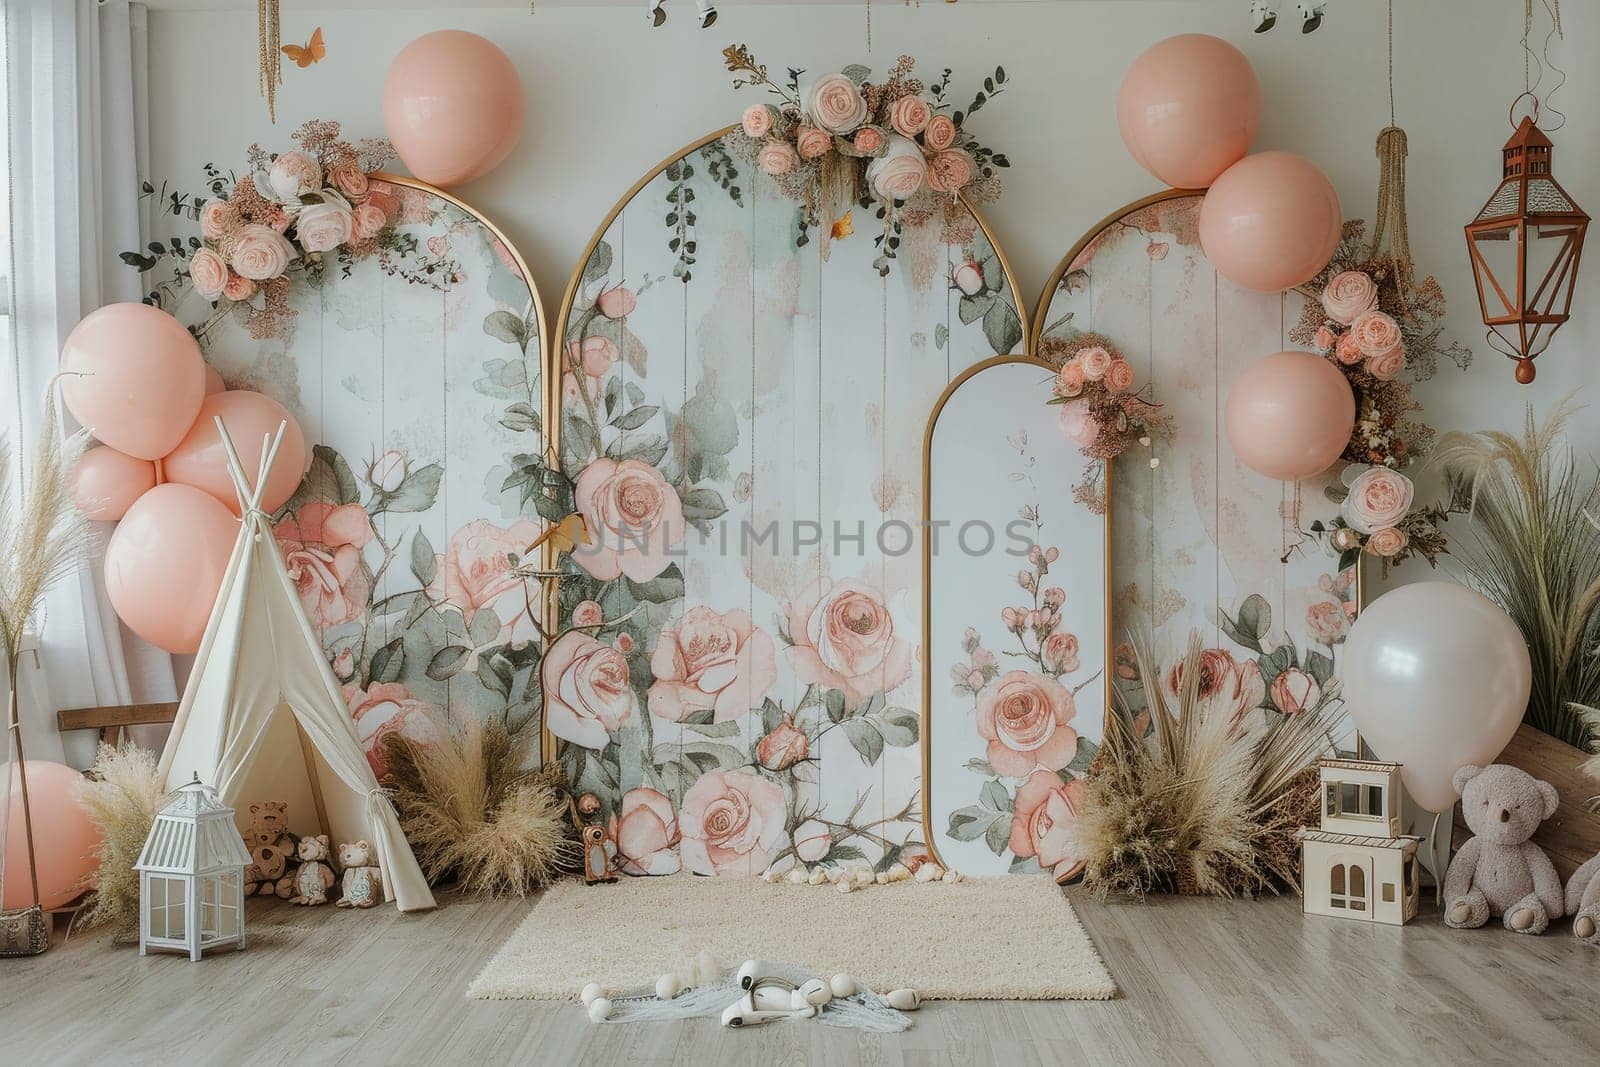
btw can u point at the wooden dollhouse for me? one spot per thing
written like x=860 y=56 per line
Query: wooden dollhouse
x=1358 y=865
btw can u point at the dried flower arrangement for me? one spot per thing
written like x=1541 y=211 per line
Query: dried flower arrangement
x=474 y=810
x=122 y=794
x=1535 y=551
x=1101 y=411
x=1188 y=800
x=1385 y=332
x=896 y=146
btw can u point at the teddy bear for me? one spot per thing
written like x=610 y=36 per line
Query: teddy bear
x=1583 y=901
x=315 y=876
x=361 y=885
x=272 y=851
x=1500 y=871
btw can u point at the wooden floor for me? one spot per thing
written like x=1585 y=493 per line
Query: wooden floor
x=1201 y=980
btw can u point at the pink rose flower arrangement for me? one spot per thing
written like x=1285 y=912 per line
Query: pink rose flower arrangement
x=758 y=120
x=1376 y=334
x=1349 y=295
x=731 y=822
x=1378 y=497
x=949 y=171
x=813 y=143
x=1387 y=367
x=709 y=661
x=869 y=141
x=910 y=115
x=259 y=252
x=1347 y=350
x=645 y=830
x=778 y=157
x=588 y=694
x=844 y=638
x=1102 y=411
x=325 y=226
x=321 y=545
x=634 y=519
x=1387 y=542
x=835 y=104
x=1026 y=719
x=1095 y=361
x=237 y=288
x=1041 y=823
x=940 y=134
x=208 y=273
x=1119 y=376
x=900 y=172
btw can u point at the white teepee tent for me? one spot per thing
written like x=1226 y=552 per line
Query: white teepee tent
x=262 y=718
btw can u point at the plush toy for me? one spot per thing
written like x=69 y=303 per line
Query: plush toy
x=315 y=877
x=1500 y=871
x=361 y=885
x=1583 y=901
x=272 y=851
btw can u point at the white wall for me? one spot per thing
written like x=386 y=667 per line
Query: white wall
x=609 y=97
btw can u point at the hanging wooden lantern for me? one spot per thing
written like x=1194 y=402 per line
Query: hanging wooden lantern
x=1525 y=246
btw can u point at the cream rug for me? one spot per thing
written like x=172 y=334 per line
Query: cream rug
x=1004 y=938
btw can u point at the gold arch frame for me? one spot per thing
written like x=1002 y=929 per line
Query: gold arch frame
x=926 y=738
x=555 y=342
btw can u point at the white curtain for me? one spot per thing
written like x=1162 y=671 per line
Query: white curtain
x=77 y=137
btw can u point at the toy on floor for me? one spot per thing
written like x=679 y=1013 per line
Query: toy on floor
x=1583 y=901
x=1357 y=864
x=1500 y=871
x=272 y=851
x=361 y=884
x=316 y=876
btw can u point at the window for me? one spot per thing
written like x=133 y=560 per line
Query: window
x=1336 y=886
x=1388 y=892
x=1351 y=800
x=1358 y=888
x=1347 y=886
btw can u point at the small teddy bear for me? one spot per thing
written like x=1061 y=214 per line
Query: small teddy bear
x=361 y=885
x=1583 y=901
x=315 y=877
x=1500 y=871
x=272 y=851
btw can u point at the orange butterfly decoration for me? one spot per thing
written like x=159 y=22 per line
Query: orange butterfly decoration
x=564 y=536
x=313 y=51
x=844 y=226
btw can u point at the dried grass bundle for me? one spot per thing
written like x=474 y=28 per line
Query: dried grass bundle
x=122 y=796
x=1193 y=804
x=472 y=809
x=1536 y=553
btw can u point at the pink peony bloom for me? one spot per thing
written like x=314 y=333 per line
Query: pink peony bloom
x=1378 y=497
x=293 y=175
x=238 y=288
x=1376 y=334
x=646 y=833
x=321 y=545
x=1389 y=365
x=211 y=218
x=869 y=140
x=732 y=822
x=1041 y=823
x=758 y=120
x=812 y=142
x=1387 y=542
x=949 y=171
x=835 y=104
x=588 y=695
x=899 y=172
x=1095 y=361
x=1119 y=376
x=325 y=226
x=1347 y=349
x=706 y=661
x=1025 y=718
x=844 y=638
x=1348 y=296
x=350 y=180
x=909 y=115
x=634 y=518
x=940 y=133
x=1078 y=423
x=209 y=274
x=778 y=157
x=1069 y=379
x=260 y=252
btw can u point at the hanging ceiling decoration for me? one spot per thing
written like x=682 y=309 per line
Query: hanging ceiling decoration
x=1526 y=242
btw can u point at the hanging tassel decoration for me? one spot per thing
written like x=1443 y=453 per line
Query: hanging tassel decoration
x=271 y=60
x=1391 y=216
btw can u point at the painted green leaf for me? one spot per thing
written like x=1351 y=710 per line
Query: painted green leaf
x=1083 y=756
x=416 y=493
x=972 y=308
x=504 y=326
x=865 y=739
x=636 y=418
x=599 y=264
x=1002 y=327
x=996 y=797
x=388 y=661
x=899 y=726
x=424 y=564
x=447 y=662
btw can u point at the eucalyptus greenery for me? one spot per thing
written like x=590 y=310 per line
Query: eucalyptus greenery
x=1534 y=549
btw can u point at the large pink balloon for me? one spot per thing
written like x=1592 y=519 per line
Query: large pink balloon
x=1436 y=676
x=1290 y=415
x=452 y=106
x=1189 y=108
x=64 y=838
x=200 y=460
x=134 y=377
x=1271 y=222
x=165 y=562
x=107 y=482
x=214 y=383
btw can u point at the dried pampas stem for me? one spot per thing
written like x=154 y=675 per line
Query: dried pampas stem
x=122 y=794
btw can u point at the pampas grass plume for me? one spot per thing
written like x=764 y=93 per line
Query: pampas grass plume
x=121 y=798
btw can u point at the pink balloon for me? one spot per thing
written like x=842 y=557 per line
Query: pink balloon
x=165 y=562
x=214 y=383
x=1271 y=222
x=452 y=106
x=1290 y=415
x=107 y=482
x=64 y=838
x=1189 y=108
x=200 y=460
x=134 y=378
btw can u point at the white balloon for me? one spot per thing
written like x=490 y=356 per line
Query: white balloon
x=1436 y=676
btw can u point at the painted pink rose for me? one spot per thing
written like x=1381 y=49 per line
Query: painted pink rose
x=211 y=214
x=812 y=142
x=209 y=274
x=1348 y=296
x=758 y=120
x=382 y=710
x=617 y=303
x=238 y=288
x=1294 y=691
x=1041 y=822
x=587 y=692
x=588 y=613
x=1059 y=653
x=1119 y=376
x=1378 y=497
x=1025 y=718
x=1095 y=362
x=910 y=115
x=783 y=747
x=812 y=841
x=1327 y=622
x=292 y=175
x=732 y=822
x=1078 y=423
x=370 y=221
x=646 y=833
x=1347 y=349
x=1324 y=338
x=344 y=664
x=634 y=518
x=1226 y=686
x=1388 y=542
x=844 y=638
x=1069 y=379
x=321 y=545
x=835 y=104
x=475 y=573
x=899 y=172
x=968 y=278
x=778 y=157
x=1388 y=366
x=260 y=252
x=949 y=171
x=595 y=356
x=869 y=140
x=940 y=133
x=711 y=661
x=1376 y=334
x=325 y=226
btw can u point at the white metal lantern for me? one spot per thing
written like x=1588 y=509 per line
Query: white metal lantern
x=191 y=875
